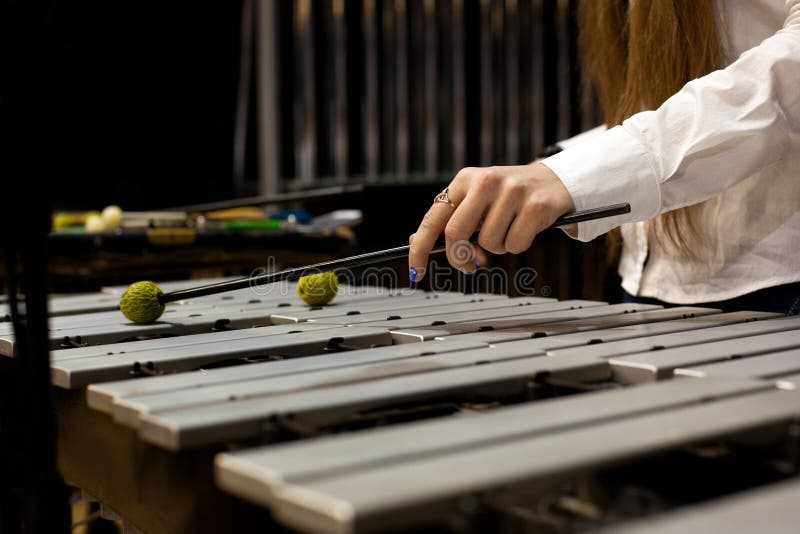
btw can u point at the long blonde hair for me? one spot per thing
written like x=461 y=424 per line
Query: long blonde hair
x=636 y=54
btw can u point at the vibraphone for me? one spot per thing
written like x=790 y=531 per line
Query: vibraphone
x=407 y=410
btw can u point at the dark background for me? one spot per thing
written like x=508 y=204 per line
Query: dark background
x=141 y=98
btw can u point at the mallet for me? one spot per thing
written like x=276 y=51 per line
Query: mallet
x=143 y=302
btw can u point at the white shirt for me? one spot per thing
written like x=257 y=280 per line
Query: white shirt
x=729 y=141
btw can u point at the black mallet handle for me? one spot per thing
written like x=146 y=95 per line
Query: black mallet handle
x=370 y=258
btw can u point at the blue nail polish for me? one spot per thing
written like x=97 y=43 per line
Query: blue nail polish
x=412 y=274
x=477 y=264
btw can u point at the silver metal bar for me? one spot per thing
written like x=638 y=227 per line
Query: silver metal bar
x=304 y=106
x=669 y=340
x=97 y=334
x=613 y=331
x=401 y=81
x=68 y=305
x=392 y=494
x=760 y=366
x=420 y=328
x=459 y=86
x=470 y=318
x=372 y=135
x=102 y=396
x=789 y=382
x=512 y=119
x=269 y=138
x=661 y=363
x=537 y=77
x=104 y=334
x=103 y=318
x=325 y=406
x=243 y=94
x=434 y=299
x=166 y=343
x=98 y=395
x=389 y=87
x=487 y=85
x=128 y=411
x=259 y=474
x=339 y=128
x=564 y=66
x=492 y=308
x=431 y=91
x=770 y=508
x=81 y=372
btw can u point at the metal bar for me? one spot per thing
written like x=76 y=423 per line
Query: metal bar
x=431 y=90
x=661 y=363
x=339 y=128
x=305 y=106
x=564 y=66
x=372 y=135
x=391 y=493
x=78 y=373
x=487 y=85
x=512 y=119
x=129 y=411
x=769 y=508
x=103 y=396
x=672 y=320
x=407 y=330
x=145 y=346
x=204 y=425
x=759 y=366
x=243 y=94
x=269 y=138
x=358 y=309
x=459 y=86
x=259 y=474
x=492 y=308
x=537 y=78
x=389 y=87
x=402 y=84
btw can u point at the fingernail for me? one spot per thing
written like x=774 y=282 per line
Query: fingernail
x=477 y=264
x=412 y=274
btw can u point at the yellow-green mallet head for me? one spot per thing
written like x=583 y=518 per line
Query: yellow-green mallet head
x=318 y=289
x=140 y=302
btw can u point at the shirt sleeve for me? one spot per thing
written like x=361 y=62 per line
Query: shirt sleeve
x=716 y=131
x=582 y=137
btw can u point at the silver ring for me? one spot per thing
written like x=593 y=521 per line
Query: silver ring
x=444 y=196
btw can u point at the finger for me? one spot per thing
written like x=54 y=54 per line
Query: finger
x=498 y=220
x=463 y=223
x=481 y=258
x=530 y=220
x=423 y=240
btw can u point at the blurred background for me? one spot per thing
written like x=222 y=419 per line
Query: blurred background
x=163 y=104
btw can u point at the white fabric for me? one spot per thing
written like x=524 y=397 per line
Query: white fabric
x=728 y=142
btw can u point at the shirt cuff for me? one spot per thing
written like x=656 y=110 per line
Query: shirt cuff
x=612 y=167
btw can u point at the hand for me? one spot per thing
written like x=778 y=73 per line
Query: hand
x=510 y=205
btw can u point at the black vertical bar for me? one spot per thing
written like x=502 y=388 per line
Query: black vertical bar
x=37 y=496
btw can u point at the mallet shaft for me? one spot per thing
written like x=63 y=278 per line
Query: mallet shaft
x=361 y=260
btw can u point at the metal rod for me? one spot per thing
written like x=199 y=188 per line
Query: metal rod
x=278 y=198
x=269 y=138
x=372 y=94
